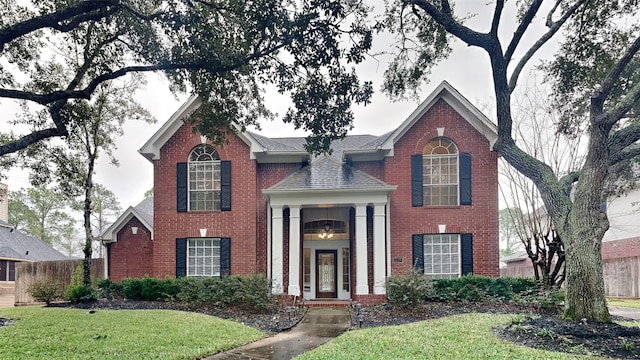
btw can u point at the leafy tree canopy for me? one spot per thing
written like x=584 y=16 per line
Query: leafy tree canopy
x=598 y=58
x=42 y=213
x=225 y=51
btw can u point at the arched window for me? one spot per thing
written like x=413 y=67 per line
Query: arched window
x=440 y=172
x=204 y=178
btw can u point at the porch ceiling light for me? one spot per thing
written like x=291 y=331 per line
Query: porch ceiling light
x=327 y=232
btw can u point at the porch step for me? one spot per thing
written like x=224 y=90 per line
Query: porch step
x=328 y=303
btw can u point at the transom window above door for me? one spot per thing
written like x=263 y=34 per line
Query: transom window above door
x=325 y=230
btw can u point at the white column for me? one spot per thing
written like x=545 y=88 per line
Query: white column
x=362 y=281
x=277 y=250
x=378 y=249
x=294 y=251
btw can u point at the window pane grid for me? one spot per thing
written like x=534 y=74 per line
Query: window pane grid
x=203 y=257
x=442 y=256
x=440 y=179
x=345 y=269
x=204 y=179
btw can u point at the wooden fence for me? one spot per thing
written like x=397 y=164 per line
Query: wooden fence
x=59 y=271
x=621 y=276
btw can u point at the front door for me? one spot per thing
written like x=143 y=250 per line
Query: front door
x=326 y=274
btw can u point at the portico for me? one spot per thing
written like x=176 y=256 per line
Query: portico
x=304 y=261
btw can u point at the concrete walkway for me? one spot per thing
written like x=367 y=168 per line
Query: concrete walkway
x=320 y=325
x=7 y=300
x=630 y=313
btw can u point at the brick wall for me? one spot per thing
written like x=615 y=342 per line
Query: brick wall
x=131 y=255
x=239 y=224
x=617 y=249
x=480 y=218
x=267 y=176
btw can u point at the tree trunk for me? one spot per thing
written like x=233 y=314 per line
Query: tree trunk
x=585 y=228
x=585 y=296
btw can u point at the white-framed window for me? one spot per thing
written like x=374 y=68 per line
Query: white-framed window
x=345 y=269
x=442 y=256
x=306 y=264
x=204 y=179
x=440 y=172
x=203 y=257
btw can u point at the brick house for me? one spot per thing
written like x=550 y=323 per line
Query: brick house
x=331 y=226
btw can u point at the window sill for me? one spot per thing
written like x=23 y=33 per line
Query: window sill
x=442 y=206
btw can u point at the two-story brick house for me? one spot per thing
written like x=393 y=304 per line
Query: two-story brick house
x=332 y=226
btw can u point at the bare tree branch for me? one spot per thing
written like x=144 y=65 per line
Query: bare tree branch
x=522 y=28
x=554 y=27
x=607 y=85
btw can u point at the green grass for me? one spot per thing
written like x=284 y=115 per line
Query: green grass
x=54 y=333
x=628 y=303
x=467 y=336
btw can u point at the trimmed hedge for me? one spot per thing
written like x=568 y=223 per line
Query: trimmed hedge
x=251 y=292
x=413 y=288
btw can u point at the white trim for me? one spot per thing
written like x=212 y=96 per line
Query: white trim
x=151 y=149
x=379 y=249
x=459 y=103
x=111 y=234
x=302 y=197
x=362 y=279
x=277 y=252
x=294 y=251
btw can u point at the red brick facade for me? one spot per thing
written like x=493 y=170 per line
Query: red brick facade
x=624 y=248
x=247 y=224
x=132 y=254
x=238 y=224
x=480 y=218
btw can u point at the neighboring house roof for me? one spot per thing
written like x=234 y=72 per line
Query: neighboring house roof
x=16 y=245
x=519 y=256
x=143 y=212
x=356 y=147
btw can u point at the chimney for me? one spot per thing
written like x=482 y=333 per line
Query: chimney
x=4 y=203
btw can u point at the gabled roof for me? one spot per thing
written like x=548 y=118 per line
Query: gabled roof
x=358 y=147
x=384 y=144
x=143 y=212
x=16 y=245
x=327 y=173
x=151 y=149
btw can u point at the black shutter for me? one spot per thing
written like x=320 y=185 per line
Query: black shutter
x=417 y=247
x=465 y=179
x=416 y=180
x=225 y=256
x=225 y=185
x=181 y=186
x=466 y=252
x=181 y=257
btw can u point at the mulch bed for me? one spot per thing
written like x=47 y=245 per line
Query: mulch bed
x=537 y=329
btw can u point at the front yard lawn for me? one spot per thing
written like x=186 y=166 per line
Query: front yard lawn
x=55 y=333
x=628 y=303
x=467 y=336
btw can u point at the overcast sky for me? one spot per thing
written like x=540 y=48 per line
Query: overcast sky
x=467 y=69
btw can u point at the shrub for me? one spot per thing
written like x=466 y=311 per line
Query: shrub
x=251 y=292
x=132 y=288
x=108 y=289
x=413 y=288
x=254 y=292
x=76 y=291
x=149 y=289
x=409 y=289
x=46 y=291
